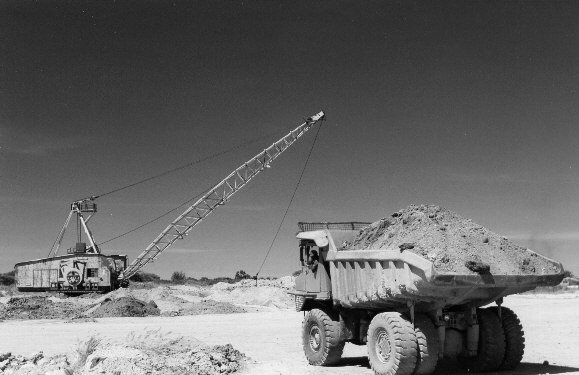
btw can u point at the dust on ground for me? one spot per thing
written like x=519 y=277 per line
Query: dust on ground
x=151 y=352
x=175 y=300
x=451 y=242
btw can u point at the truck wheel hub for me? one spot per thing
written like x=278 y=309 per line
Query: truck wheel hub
x=383 y=347
x=315 y=338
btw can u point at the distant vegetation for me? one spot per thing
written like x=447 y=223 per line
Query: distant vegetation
x=8 y=278
x=145 y=277
x=178 y=277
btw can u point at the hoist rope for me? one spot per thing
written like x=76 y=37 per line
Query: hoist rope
x=198 y=161
x=290 y=202
x=171 y=171
x=156 y=218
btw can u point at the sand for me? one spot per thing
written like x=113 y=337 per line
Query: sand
x=454 y=244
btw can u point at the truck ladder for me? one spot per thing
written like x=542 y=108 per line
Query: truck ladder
x=217 y=196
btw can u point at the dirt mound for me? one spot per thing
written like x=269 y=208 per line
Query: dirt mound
x=124 y=306
x=256 y=296
x=156 y=352
x=268 y=293
x=205 y=307
x=150 y=352
x=35 y=363
x=451 y=242
x=38 y=307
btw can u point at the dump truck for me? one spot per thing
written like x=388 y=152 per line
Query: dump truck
x=409 y=314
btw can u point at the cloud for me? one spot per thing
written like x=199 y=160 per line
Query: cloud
x=35 y=147
x=502 y=178
x=38 y=142
x=557 y=236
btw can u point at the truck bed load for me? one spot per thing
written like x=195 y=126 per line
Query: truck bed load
x=451 y=242
x=430 y=257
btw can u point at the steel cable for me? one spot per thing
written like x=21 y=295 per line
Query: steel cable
x=290 y=202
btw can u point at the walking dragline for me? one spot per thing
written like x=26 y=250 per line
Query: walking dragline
x=85 y=269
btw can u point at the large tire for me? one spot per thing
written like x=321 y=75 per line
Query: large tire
x=491 y=345
x=428 y=345
x=392 y=347
x=514 y=338
x=321 y=338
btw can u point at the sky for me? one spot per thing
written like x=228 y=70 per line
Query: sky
x=469 y=105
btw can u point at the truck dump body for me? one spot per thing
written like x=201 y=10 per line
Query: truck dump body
x=387 y=279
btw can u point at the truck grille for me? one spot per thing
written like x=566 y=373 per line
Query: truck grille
x=300 y=300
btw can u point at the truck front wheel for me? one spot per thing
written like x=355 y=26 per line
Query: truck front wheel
x=392 y=348
x=321 y=338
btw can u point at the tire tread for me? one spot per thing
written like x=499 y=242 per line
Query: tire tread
x=514 y=338
x=428 y=345
x=405 y=348
x=334 y=344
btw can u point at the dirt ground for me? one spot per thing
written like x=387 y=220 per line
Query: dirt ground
x=271 y=338
x=142 y=300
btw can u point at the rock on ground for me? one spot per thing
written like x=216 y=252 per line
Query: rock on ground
x=153 y=352
x=150 y=352
x=454 y=244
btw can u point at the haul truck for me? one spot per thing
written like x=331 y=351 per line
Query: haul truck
x=407 y=313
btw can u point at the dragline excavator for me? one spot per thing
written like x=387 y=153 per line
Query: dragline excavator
x=85 y=269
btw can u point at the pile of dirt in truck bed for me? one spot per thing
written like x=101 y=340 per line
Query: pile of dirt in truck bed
x=123 y=306
x=454 y=244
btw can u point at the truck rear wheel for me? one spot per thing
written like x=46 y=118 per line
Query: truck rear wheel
x=514 y=338
x=392 y=347
x=491 y=344
x=428 y=345
x=321 y=338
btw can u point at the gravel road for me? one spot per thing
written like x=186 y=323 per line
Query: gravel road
x=272 y=338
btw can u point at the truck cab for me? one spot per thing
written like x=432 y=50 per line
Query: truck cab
x=314 y=280
x=313 y=284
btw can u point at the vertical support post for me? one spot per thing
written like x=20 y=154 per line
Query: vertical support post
x=411 y=308
x=88 y=234
x=441 y=328
x=472 y=332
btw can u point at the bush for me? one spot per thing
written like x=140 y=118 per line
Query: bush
x=144 y=277
x=241 y=274
x=178 y=277
x=8 y=278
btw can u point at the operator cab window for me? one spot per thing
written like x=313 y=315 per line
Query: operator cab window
x=92 y=272
x=309 y=252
